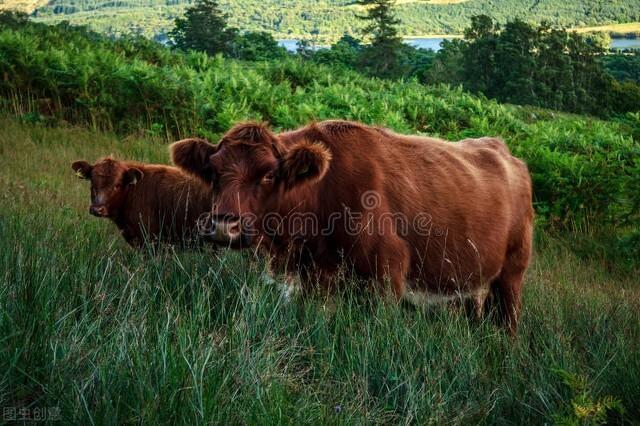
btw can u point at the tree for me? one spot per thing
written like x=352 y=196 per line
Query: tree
x=13 y=19
x=304 y=49
x=257 y=46
x=448 y=64
x=539 y=66
x=623 y=66
x=481 y=27
x=515 y=63
x=204 y=28
x=345 y=52
x=382 y=56
x=479 y=55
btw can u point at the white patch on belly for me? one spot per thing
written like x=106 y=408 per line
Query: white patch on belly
x=268 y=278
x=289 y=287
x=288 y=291
x=427 y=298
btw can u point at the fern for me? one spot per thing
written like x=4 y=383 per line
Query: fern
x=585 y=408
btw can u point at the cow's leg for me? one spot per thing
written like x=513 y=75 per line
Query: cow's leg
x=289 y=282
x=479 y=300
x=509 y=289
x=392 y=261
x=508 y=284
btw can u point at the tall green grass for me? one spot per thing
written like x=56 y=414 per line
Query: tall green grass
x=110 y=335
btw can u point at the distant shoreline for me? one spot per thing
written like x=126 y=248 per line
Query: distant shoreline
x=623 y=30
x=433 y=36
x=434 y=43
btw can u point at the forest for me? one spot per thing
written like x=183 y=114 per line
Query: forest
x=516 y=63
x=95 y=332
x=328 y=20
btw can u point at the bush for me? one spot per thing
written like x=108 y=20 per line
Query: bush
x=257 y=46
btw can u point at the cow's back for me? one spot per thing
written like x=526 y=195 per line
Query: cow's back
x=462 y=202
x=465 y=210
x=473 y=193
x=164 y=205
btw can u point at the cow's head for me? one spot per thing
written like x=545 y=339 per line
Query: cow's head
x=250 y=170
x=110 y=181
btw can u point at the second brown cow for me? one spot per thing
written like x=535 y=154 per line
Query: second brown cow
x=438 y=220
x=147 y=202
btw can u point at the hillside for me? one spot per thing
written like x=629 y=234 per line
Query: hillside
x=332 y=18
x=27 y=6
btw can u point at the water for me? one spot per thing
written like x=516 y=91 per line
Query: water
x=291 y=45
x=423 y=43
x=434 y=43
x=625 y=43
x=426 y=43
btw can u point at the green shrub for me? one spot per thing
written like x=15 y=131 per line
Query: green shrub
x=585 y=409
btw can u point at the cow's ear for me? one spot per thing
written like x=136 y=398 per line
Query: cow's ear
x=193 y=156
x=132 y=176
x=82 y=169
x=304 y=162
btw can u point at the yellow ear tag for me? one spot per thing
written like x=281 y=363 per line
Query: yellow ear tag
x=79 y=174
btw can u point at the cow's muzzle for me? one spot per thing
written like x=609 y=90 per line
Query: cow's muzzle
x=226 y=230
x=98 y=210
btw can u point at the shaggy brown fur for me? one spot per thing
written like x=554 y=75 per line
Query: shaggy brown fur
x=437 y=219
x=146 y=201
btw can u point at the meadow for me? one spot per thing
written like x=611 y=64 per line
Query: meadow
x=108 y=335
x=628 y=29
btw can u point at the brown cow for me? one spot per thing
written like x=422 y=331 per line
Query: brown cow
x=146 y=201
x=439 y=220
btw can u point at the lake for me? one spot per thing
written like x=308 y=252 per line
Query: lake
x=292 y=45
x=434 y=43
x=625 y=43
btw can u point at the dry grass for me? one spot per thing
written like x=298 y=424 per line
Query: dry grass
x=630 y=27
x=27 y=6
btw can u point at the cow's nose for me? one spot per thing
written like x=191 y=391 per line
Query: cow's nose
x=225 y=230
x=233 y=229
x=99 y=211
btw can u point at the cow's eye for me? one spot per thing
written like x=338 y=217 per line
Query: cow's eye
x=268 y=178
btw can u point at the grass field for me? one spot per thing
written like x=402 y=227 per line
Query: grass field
x=109 y=335
x=26 y=6
x=630 y=27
